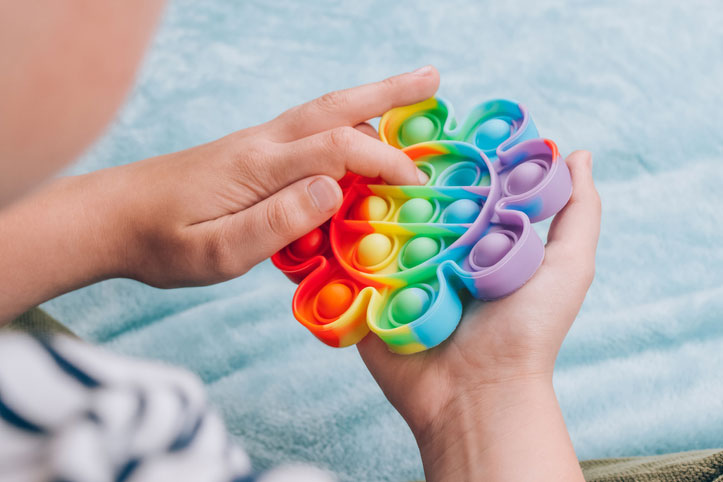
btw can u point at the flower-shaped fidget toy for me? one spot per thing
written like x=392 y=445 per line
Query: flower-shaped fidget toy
x=396 y=259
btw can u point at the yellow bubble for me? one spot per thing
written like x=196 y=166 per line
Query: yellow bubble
x=372 y=208
x=373 y=249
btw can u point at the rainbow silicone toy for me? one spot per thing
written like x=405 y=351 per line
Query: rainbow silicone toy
x=396 y=259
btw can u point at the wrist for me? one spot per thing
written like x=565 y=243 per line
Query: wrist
x=100 y=199
x=57 y=239
x=470 y=423
x=485 y=434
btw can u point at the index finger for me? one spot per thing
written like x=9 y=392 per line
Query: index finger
x=350 y=107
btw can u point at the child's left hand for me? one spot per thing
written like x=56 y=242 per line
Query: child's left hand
x=482 y=404
x=209 y=213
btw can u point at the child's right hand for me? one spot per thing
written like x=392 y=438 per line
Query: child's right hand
x=209 y=213
x=212 y=212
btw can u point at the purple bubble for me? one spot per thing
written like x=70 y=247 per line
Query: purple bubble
x=524 y=177
x=490 y=249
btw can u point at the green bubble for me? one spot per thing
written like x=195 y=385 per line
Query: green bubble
x=416 y=211
x=419 y=250
x=409 y=304
x=418 y=129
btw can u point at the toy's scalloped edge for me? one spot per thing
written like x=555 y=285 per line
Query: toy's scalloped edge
x=444 y=314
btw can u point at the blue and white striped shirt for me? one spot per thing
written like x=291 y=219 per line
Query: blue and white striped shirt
x=71 y=412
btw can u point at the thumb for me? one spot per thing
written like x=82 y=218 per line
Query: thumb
x=573 y=236
x=254 y=234
x=384 y=365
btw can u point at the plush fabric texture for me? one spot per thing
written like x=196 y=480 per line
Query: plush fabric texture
x=638 y=83
x=694 y=466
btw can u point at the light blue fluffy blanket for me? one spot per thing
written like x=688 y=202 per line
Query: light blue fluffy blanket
x=637 y=83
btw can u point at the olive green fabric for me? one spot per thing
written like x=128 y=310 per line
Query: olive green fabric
x=39 y=323
x=698 y=466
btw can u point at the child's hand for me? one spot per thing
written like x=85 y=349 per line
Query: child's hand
x=212 y=212
x=209 y=213
x=481 y=405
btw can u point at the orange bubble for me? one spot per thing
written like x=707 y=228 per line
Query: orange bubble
x=333 y=300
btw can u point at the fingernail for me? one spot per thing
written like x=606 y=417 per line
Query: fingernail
x=427 y=69
x=323 y=194
x=422 y=176
x=588 y=158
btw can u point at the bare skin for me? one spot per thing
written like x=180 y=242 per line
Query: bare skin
x=206 y=214
x=66 y=67
x=482 y=402
x=478 y=404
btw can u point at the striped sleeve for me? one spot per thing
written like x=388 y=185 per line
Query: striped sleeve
x=73 y=412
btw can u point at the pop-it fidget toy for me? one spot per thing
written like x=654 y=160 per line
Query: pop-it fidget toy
x=396 y=259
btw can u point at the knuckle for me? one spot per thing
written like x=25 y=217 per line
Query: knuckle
x=332 y=101
x=255 y=154
x=390 y=88
x=279 y=219
x=253 y=164
x=341 y=138
x=240 y=155
x=287 y=120
x=390 y=83
x=289 y=114
x=339 y=143
x=219 y=255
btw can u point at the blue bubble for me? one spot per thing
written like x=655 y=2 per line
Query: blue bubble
x=491 y=134
x=462 y=211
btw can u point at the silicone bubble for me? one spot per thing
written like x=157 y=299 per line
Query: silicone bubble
x=524 y=177
x=396 y=260
x=418 y=129
x=333 y=300
x=373 y=249
x=309 y=244
x=418 y=250
x=491 y=248
x=461 y=174
x=372 y=208
x=491 y=133
x=409 y=304
x=416 y=211
x=463 y=211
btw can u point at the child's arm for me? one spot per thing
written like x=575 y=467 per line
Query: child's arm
x=206 y=214
x=482 y=405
